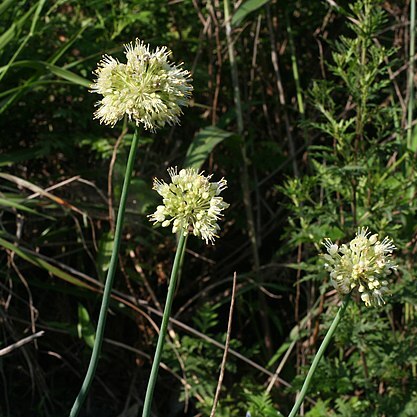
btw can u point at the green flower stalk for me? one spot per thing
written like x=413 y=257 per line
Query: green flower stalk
x=318 y=356
x=150 y=91
x=364 y=264
x=191 y=204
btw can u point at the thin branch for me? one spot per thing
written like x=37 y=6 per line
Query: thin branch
x=280 y=88
x=32 y=309
x=226 y=349
x=55 y=186
x=162 y=364
x=20 y=343
x=280 y=366
x=110 y=178
x=148 y=287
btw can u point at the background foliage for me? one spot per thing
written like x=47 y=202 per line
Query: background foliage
x=324 y=93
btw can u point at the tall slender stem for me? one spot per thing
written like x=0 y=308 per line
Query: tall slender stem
x=164 y=325
x=253 y=238
x=410 y=80
x=318 y=356
x=280 y=88
x=95 y=356
x=240 y=129
x=299 y=91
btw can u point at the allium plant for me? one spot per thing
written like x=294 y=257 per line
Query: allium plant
x=150 y=91
x=191 y=203
x=148 y=88
x=364 y=263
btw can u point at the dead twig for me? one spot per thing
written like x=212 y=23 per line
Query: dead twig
x=20 y=343
x=226 y=349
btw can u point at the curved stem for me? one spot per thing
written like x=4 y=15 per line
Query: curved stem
x=318 y=356
x=164 y=325
x=95 y=356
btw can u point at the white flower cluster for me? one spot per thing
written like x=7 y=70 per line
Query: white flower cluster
x=148 y=88
x=191 y=200
x=363 y=263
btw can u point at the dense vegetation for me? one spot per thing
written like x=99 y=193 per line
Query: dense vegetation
x=311 y=124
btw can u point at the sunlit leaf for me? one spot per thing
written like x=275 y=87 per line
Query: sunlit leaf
x=84 y=327
x=46 y=67
x=246 y=8
x=202 y=145
x=41 y=263
x=104 y=253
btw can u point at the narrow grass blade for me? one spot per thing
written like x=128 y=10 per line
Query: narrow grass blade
x=44 y=264
x=8 y=203
x=34 y=188
x=46 y=67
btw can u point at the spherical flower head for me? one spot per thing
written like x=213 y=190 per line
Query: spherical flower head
x=190 y=203
x=364 y=264
x=148 y=88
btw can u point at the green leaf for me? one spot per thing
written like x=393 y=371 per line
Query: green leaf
x=246 y=8
x=61 y=51
x=14 y=29
x=84 y=327
x=278 y=354
x=4 y=5
x=41 y=263
x=413 y=143
x=34 y=188
x=46 y=67
x=105 y=248
x=202 y=145
x=8 y=203
x=142 y=197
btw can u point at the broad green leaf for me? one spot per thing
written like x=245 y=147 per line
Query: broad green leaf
x=202 y=145
x=245 y=8
x=84 y=327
